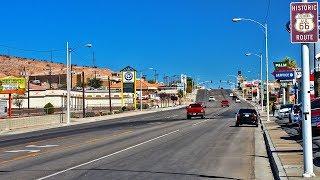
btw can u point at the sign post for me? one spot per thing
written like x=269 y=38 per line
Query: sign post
x=128 y=75
x=304 y=23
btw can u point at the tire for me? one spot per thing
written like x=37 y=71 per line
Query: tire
x=202 y=117
x=237 y=124
x=188 y=117
x=290 y=120
x=257 y=124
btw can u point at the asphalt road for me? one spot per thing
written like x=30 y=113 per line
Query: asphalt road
x=163 y=145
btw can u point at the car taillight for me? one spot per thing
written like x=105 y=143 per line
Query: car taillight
x=201 y=110
x=318 y=124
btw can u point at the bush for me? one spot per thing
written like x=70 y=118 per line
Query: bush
x=144 y=106
x=48 y=108
x=90 y=114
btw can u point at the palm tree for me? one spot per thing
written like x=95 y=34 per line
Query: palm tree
x=291 y=63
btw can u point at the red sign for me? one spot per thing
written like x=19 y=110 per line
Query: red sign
x=304 y=22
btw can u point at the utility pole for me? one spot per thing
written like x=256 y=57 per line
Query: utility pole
x=83 y=97
x=109 y=89
x=68 y=83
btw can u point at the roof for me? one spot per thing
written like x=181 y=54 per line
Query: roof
x=145 y=85
x=36 y=87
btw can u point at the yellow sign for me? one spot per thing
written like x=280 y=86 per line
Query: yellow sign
x=12 y=85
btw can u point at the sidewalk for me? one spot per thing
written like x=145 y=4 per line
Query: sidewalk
x=285 y=151
x=77 y=121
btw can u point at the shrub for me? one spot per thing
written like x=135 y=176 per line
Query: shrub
x=90 y=114
x=48 y=108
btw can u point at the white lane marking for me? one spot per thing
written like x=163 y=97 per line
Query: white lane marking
x=107 y=156
x=23 y=150
x=195 y=124
x=44 y=146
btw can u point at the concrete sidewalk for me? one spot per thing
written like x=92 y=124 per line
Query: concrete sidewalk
x=285 y=151
x=77 y=121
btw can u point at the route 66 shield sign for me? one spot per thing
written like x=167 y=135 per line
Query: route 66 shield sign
x=304 y=22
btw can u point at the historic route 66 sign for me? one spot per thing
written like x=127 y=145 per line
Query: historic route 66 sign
x=304 y=20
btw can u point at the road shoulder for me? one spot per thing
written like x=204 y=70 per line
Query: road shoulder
x=262 y=169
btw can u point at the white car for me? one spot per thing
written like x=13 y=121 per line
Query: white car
x=231 y=94
x=238 y=100
x=211 y=98
x=284 y=111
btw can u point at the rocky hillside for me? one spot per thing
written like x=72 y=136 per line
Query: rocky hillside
x=16 y=66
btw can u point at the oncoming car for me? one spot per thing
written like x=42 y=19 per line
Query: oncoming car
x=196 y=110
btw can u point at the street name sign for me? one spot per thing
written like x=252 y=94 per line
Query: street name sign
x=304 y=22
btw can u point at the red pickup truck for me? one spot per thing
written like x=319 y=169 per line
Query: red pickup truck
x=196 y=110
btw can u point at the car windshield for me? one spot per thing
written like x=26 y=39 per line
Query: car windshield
x=195 y=105
x=242 y=111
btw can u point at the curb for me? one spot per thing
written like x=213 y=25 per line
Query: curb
x=275 y=162
x=277 y=168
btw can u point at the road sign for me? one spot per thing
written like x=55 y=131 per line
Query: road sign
x=284 y=75
x=304 y=22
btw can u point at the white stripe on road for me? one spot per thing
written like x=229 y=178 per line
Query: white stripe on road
x=107 y=156
x=44 y=146
x=195 y=124
x=23 y=150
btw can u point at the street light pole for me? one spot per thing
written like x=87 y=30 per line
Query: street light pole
x=68 y=83
x=141 y=91
x=261 y=81
x=265 y=27
x=267 y=71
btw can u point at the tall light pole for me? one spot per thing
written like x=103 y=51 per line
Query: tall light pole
x=69 y=50
x=261 y=81
x=265 y=28
x=141 y=85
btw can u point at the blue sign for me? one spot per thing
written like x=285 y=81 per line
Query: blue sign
x=284 y=75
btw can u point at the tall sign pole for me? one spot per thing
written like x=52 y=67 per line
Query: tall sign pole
x=304 y=23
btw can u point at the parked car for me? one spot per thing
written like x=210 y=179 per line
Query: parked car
x=295 y=114
x=238 y=100
x=247 y=116
x=284 y=111
x=315 y=118
x=211 y=98
x=196 y=110
x=224 y=103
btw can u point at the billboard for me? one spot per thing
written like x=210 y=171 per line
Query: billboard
x=12 y=85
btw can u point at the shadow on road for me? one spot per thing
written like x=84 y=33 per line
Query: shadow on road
x=160 y=172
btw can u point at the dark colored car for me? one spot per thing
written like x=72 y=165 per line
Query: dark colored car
x=315 y=118
x=196 y=110
x=247 y=116
x=224 y=103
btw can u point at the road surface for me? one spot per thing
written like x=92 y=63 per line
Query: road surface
x=163 y=145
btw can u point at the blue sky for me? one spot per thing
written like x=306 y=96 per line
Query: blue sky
x=195 y=37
